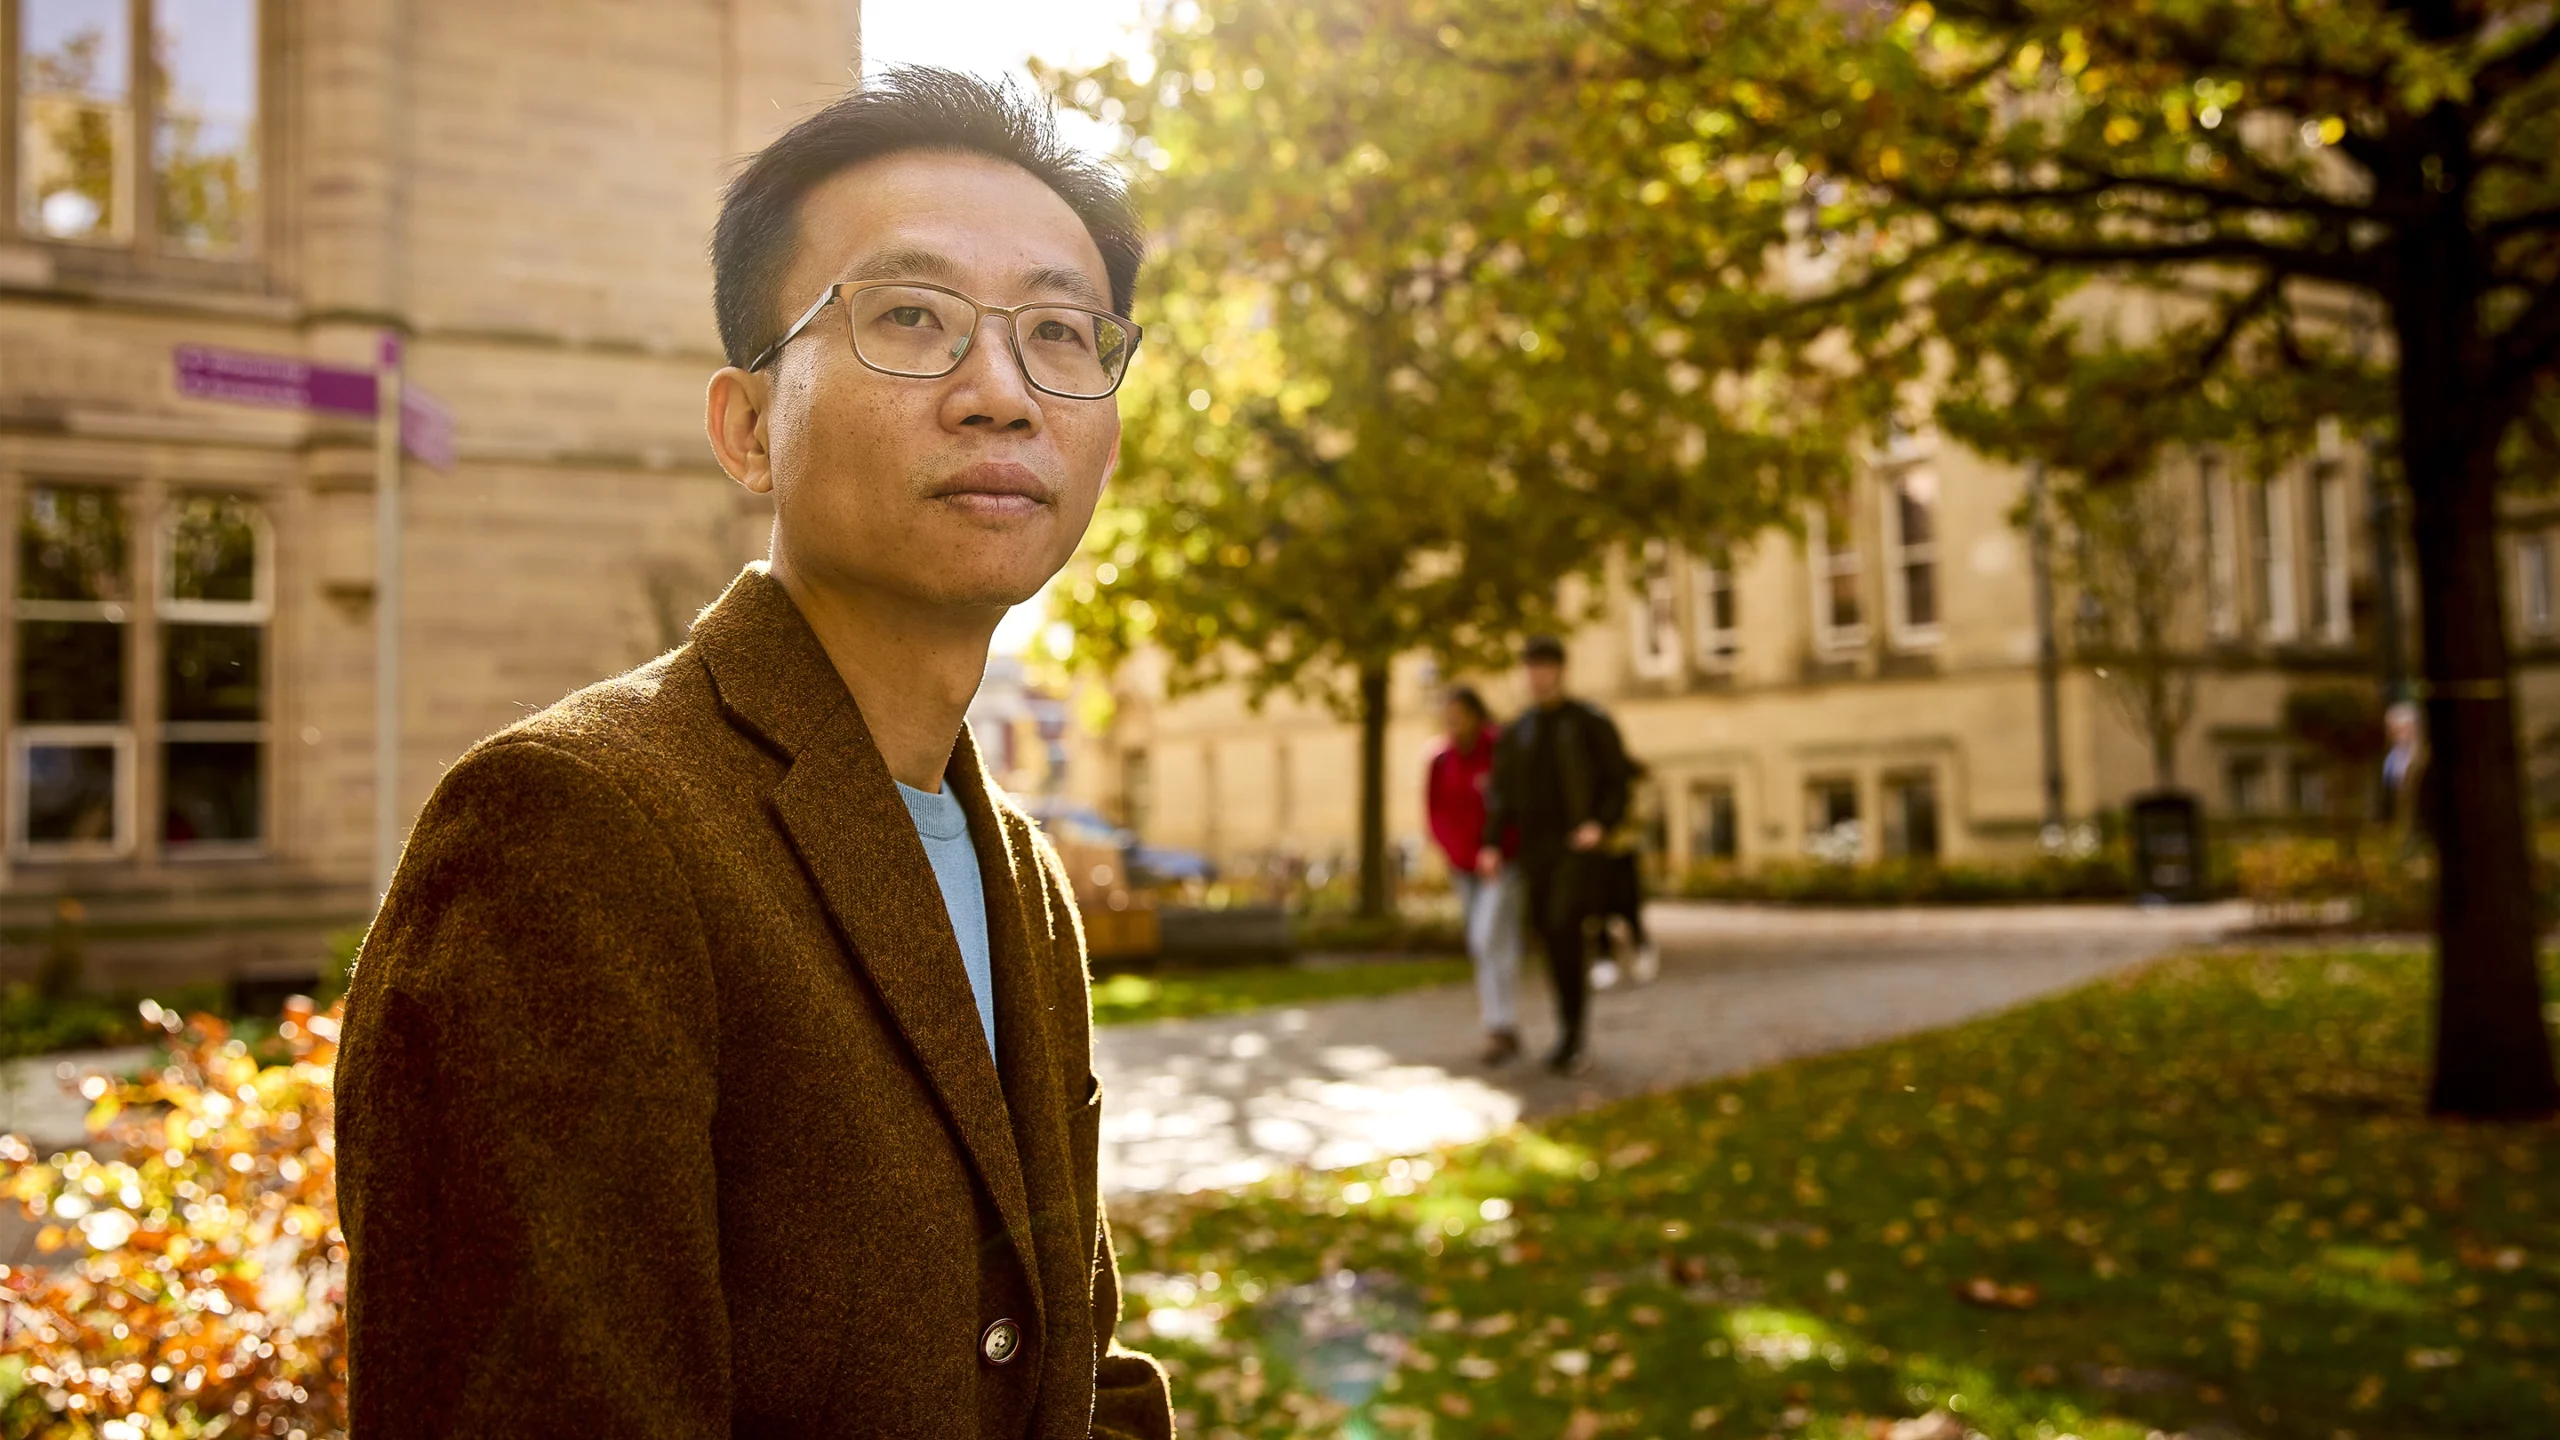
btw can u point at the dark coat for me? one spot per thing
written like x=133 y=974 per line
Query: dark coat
x=1594 y=777
x=664 y=1108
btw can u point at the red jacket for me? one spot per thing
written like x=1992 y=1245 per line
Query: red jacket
x=1453 y=799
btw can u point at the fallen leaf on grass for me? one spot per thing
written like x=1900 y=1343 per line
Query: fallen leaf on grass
x=1990 y=1294
x=1455 y=1405
x=1582 y=1425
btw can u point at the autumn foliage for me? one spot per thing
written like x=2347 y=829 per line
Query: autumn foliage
x=196 y=1276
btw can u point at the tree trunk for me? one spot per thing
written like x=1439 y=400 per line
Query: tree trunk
x=1377 y=887
x=2492 y=1052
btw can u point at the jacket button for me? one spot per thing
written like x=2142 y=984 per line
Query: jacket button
x=1002 y=1342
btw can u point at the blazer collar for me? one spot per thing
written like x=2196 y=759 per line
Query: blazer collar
x=842 y=812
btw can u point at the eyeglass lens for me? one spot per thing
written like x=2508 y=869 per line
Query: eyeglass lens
x=910 y=330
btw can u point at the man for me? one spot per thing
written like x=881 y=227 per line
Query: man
x=1488 y=901
x=1560 y=778
x=719 y=1063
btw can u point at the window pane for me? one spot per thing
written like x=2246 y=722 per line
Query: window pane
x=1920 y=594
x=205 y=155
x=213 y=550
x=71 y=544
x=71 y=794
x=1916 y=497
x=76 y=122
x=1844 y=601
x=212 y=672
x=70 y=672
x=213 y=791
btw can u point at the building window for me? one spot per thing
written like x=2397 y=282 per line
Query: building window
x=71 y=792
x=1715 y=832
x=1718 y=614
x=1831 y=828
x=1137 y=791
x=86 y=93
x=2248 y=786
x=1911 y=567
x=2535 y=599
x=1654 y=611
x=1831 y=550
x=2222 y=551
x=2332 y=619
x=2271 y=539
x=1911 y=817
x=213 y=612
x=2310 y=788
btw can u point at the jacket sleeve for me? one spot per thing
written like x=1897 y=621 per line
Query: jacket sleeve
x=1612 y=777
x=1502 y=788
x=525 y=1097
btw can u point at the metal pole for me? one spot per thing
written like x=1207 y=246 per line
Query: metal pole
x=2048 y=655
x=386 y=616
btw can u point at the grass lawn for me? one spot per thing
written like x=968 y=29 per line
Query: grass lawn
x=2200 y=1199
x=1128 y=999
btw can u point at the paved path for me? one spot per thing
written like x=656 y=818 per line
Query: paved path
x=1199 y=1104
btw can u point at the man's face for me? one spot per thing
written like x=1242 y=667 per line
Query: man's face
x=968 y=491
x=1546 y=681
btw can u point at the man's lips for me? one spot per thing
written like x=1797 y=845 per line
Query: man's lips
x=996 y=488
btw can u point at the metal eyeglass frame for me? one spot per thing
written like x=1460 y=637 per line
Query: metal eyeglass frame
x=1012 y=336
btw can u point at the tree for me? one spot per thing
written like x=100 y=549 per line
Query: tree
x=2133 y=563
x=2084 y=234
x=1390 y=397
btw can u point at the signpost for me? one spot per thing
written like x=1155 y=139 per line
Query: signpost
x=424 y=431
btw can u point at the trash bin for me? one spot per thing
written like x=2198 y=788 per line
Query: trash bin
x=2168 y=846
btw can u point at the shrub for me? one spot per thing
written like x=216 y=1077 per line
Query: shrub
x=202 y=1276
x=1913 y=882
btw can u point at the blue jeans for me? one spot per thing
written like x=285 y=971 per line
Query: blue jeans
x=1490 y=910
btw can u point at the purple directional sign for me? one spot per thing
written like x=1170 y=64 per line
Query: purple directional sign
x=243 y=377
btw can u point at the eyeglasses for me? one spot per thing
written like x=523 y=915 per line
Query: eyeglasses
x=923 y=332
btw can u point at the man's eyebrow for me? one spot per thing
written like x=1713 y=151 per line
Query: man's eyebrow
x=906 y=262
x=1060 y=277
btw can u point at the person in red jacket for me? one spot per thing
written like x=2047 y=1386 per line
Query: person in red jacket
x=1488 y=905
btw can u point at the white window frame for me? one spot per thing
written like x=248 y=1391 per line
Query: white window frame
x=259 y=610
x=22 y=739
x=1653 y=612
x=2222 y=550
x=1695 y=802
x=27 y=735
x=2331 y=537
x=1716 y=644
x=2271 y=527
x=1825 y=565
x=139 y=158
x=2536 y=601
x=1902 y=555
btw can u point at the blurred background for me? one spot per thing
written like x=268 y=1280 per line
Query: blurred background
x=2058 y=502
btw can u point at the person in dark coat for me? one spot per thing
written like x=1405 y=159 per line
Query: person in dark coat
x=1560 y=779
x=720 y=1064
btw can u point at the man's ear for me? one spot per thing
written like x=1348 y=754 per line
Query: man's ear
x=733 y=415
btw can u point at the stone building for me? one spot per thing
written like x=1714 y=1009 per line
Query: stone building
x=1867 y=688
x=523 y=193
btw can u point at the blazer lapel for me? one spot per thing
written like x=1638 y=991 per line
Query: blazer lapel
x=854 y=834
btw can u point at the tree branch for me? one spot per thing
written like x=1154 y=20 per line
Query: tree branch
x=2344 y=270
x=2520 y=66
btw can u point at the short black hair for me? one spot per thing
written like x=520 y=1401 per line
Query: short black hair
x=901 y=109
x=1542 y=650
x=1466 y=695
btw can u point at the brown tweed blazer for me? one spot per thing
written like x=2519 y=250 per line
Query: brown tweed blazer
x=664 y=1108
